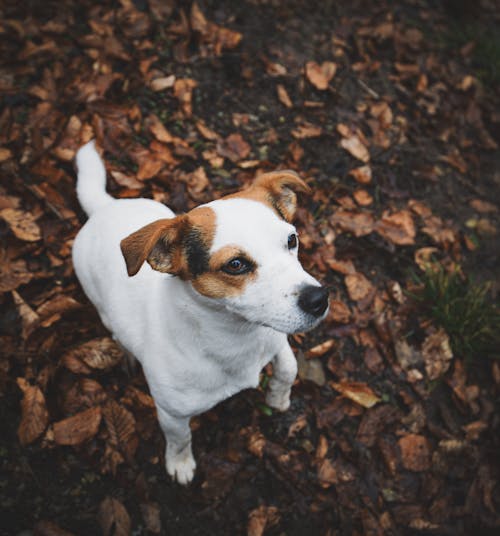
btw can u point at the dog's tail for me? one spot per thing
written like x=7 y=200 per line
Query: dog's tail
x=91 y=182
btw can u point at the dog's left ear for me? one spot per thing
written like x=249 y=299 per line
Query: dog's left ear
x=279 y=188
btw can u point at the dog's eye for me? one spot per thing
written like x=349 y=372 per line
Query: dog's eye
x=292 y=241
x=237 y=266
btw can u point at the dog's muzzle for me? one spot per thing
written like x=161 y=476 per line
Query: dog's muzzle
x=313 y=300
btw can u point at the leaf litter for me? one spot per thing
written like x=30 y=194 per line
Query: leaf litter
x=388 y=431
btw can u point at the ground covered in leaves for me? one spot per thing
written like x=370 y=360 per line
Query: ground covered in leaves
x=389 y=110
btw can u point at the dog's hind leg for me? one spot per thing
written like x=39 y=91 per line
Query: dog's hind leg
x=179 y=459
x=284 y=374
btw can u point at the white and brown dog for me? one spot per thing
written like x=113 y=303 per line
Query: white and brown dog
x=213 y=303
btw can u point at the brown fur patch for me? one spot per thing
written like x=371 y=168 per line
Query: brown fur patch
x=177 y=245
x=217 y=284
x=276 y=190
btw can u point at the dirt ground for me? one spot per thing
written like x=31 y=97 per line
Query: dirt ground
x=389 y=110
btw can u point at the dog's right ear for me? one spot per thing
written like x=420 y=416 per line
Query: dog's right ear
x=158 y=243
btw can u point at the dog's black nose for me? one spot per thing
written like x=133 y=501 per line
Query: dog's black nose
x=313 y=300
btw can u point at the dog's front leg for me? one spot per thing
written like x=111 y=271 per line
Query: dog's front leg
x=284 y=374
x=179 y=459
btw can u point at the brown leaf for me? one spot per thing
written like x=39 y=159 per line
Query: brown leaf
x=197 y=181
x=34 y=414
x=260 y=518
x=362 y=174
x=49 y=528
x=5 y=154
x=320 y=75
x=13 y=273
x=306 y=130
x=437 y=354
x=320 y=349
x=436 y=229
x=233 y=147
x=357 y=223
x=339 y=312
x=327 y=474
x=78 y=428
x=415 y=452
x=162 y=83
x=120 y=424
x=362 y=198
x=311 y=370
x=114 y=518
x=283 y=96
x=29 y=319
x=256 y=443
x=149 y=168
x=101 y=354
x=157 y=128
x=397 y=228
x=358 y=286
x=355 y=147
x=22 y=224
x=183 y=91
x=151 y=515
x=423 y=257
x=52 y=310
x=358 y=392
x=206 y=132
x=484 y=207
x=127 y=181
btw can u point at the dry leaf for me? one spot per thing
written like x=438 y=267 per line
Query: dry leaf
x=52 y=310
x=320 y=349
x=151 y=515
x=355 y=147
x=127 y=181
x=34 y=414
x=339 y=312
x=362 y=198
x=283 y=96
x=13 y=274
x=101 y=354
x=165 y=82
x=256 y=443
x=29 y=319
x=5 y=154
x=157 y=128
x=362 y=174
x=357 y=223
x=22 y=224
x=260 y=518
x=357 y=392
x=423 y=257
x=306 y=130
x=358 y=287
x=120 y=424
x=78 y=428
x=233 y=147
x=415 y=452
x=114 y=518
x=310 y=370
x=320 y=75
x=183 y=91
x=206 y=132
x=327 y=474
x=397 y=228
x=437 y=354
x=49 y=528
x=484 y=207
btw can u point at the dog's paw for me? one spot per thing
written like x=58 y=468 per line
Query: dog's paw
x=278 y=399
x=181 y=466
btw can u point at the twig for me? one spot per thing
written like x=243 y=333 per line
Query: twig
x=368 y=89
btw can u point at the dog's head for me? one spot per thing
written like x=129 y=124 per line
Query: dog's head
x=241 y=251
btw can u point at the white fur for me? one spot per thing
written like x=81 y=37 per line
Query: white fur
x=195 y=351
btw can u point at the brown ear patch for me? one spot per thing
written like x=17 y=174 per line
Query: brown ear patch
x=217 y=284
x=276 y=190
x=157 y=243
x=179 y=246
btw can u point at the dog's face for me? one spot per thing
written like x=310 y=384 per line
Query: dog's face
x=241 y=252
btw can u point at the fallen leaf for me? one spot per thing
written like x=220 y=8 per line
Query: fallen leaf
x=127 y=181
x=78 y=428
x=357 y=223
x=13 y=273
x=397 y=228
x=320 y=349
x=306 y=130
x=423 y=257
x=327 y=474
x=358 y=287
x=320 y=75
x=101 y=354
x=34 y=414
x=437 y=354
x=355 y=147
x=5 y=154
x=233 y=147
x=183 y=91
x=310 y=370
x=362 y=198
x=362 y=174
x=260 y=518
x=358 y=392
x=113 y=518
x=49 y=528
x=283 y=96
x=157 y=128
x=206 y=132
x=29 y=319
x=22 y=224
x=120 y=424
x=151 y=515
x=52 y=310
x=415 y=452
x=339 y=312
x=162 y=83
x=484 y=207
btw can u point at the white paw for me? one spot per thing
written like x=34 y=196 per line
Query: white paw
x=181 y=466
x=278 y=399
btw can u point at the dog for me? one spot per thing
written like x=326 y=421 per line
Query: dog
x=203 y=300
